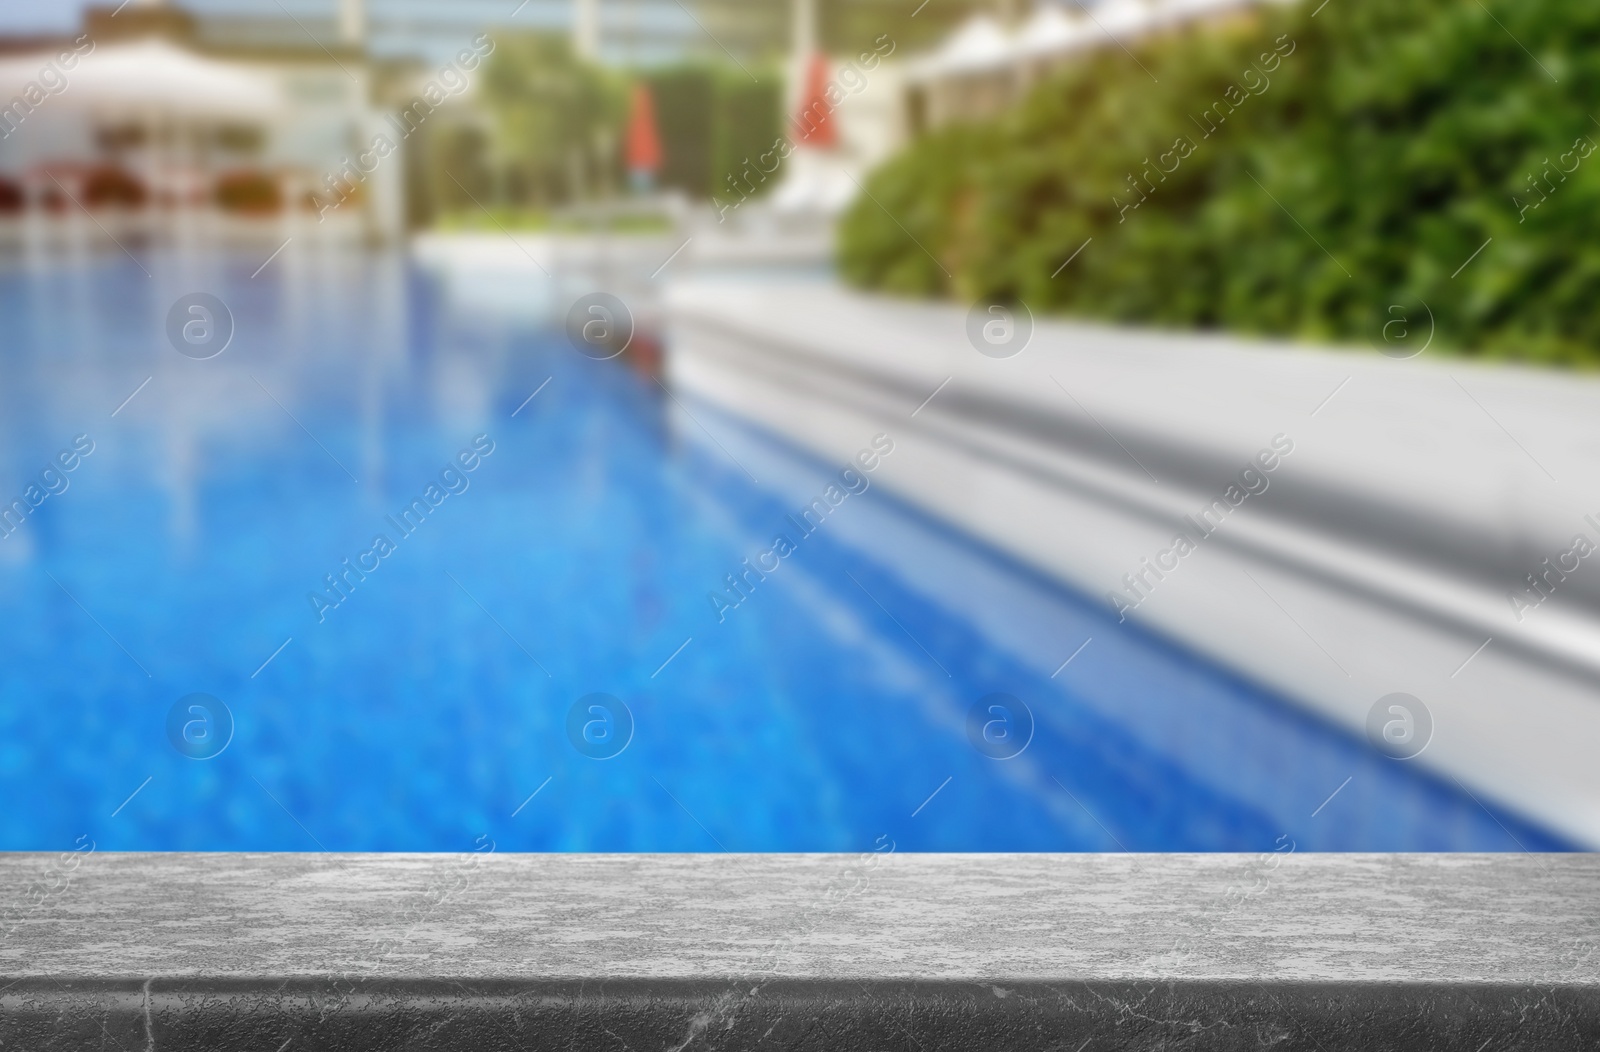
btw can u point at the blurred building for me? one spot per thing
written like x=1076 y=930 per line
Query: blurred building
x=157 y=123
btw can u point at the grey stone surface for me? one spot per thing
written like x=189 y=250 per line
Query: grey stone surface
x=1455 y=918
x=875 y=951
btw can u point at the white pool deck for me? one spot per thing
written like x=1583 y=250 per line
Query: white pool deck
x=1382 y=557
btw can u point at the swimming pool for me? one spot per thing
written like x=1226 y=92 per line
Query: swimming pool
x=532 y=658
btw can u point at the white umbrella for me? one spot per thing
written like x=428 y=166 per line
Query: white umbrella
x=981 y=43
x=1125 y=19
x=147 y=76
x=1051 y=31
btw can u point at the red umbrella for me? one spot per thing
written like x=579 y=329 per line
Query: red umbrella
x=815 y=121
x=644 y=142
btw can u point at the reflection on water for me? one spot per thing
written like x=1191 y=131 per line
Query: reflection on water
x=400 y=539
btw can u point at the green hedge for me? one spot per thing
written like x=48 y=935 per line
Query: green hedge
x=1398 y=134
x=712 y=120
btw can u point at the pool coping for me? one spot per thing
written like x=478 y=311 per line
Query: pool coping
x=870 y=951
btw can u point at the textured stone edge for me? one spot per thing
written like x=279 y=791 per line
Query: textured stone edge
x=180 y=1015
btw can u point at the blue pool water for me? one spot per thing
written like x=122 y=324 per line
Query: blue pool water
x=431 y=708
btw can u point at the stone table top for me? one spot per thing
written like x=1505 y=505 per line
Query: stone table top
x=1325 y=951
x=1444 y=918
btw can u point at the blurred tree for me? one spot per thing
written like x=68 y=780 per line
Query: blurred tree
x=557 y=121
x=748 y=120
x=556 y=118
x=712 y=119
x=760 y=28
x=685 y=97
x=850 y=27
